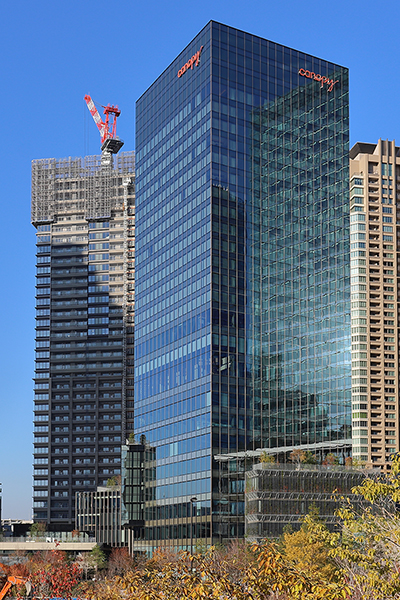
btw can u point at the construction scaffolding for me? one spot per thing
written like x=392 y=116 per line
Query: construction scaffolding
x=89 y=185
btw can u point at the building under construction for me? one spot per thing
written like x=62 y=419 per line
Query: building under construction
x=84 y=214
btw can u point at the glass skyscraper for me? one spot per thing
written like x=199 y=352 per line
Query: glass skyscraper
x=242 y=315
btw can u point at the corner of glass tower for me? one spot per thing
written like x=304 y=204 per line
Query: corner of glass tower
x=242 y=313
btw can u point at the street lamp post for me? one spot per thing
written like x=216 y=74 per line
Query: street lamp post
x=192 y=503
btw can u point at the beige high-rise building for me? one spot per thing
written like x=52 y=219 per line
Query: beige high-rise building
x=84 y=214
x=374 y=202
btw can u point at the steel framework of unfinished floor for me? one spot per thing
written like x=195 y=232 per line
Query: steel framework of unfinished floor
x=92 y=181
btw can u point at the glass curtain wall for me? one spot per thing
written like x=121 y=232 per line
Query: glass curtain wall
x=242 y=282
x=173 y=295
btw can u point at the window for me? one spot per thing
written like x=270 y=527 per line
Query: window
x=99 y=225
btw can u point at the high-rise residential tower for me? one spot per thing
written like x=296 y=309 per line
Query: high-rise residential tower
x=375 y=209
x=242 y=318
x=83 y=211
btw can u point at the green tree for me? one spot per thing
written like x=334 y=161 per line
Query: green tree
x=115 y=480
x=98 y=557
x=88 y=562
x=38 y=529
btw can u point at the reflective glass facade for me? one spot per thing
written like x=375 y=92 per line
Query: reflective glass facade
x=300 y=369
x=242 y=331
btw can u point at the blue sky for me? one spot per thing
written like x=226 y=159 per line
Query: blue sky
x=53 y=53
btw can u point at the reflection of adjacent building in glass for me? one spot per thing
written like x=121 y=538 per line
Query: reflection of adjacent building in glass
x=300 y=374
x=242 y=331
x=291 y=417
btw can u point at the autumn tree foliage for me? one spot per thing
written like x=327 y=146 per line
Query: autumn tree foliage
x=240 y=572
x=17 y=569
x=298 y=457
x=119 y=562
x=308 y=554
x=52 y=576
x=359 y=560
x=367 y=545
x=267 y=458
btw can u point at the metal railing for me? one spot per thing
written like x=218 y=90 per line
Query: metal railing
x=50 y=537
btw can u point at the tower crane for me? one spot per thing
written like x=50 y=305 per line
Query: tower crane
x=108 y=131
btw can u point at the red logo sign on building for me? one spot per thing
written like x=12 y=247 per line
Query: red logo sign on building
x=329 y=82
x=195 y=60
